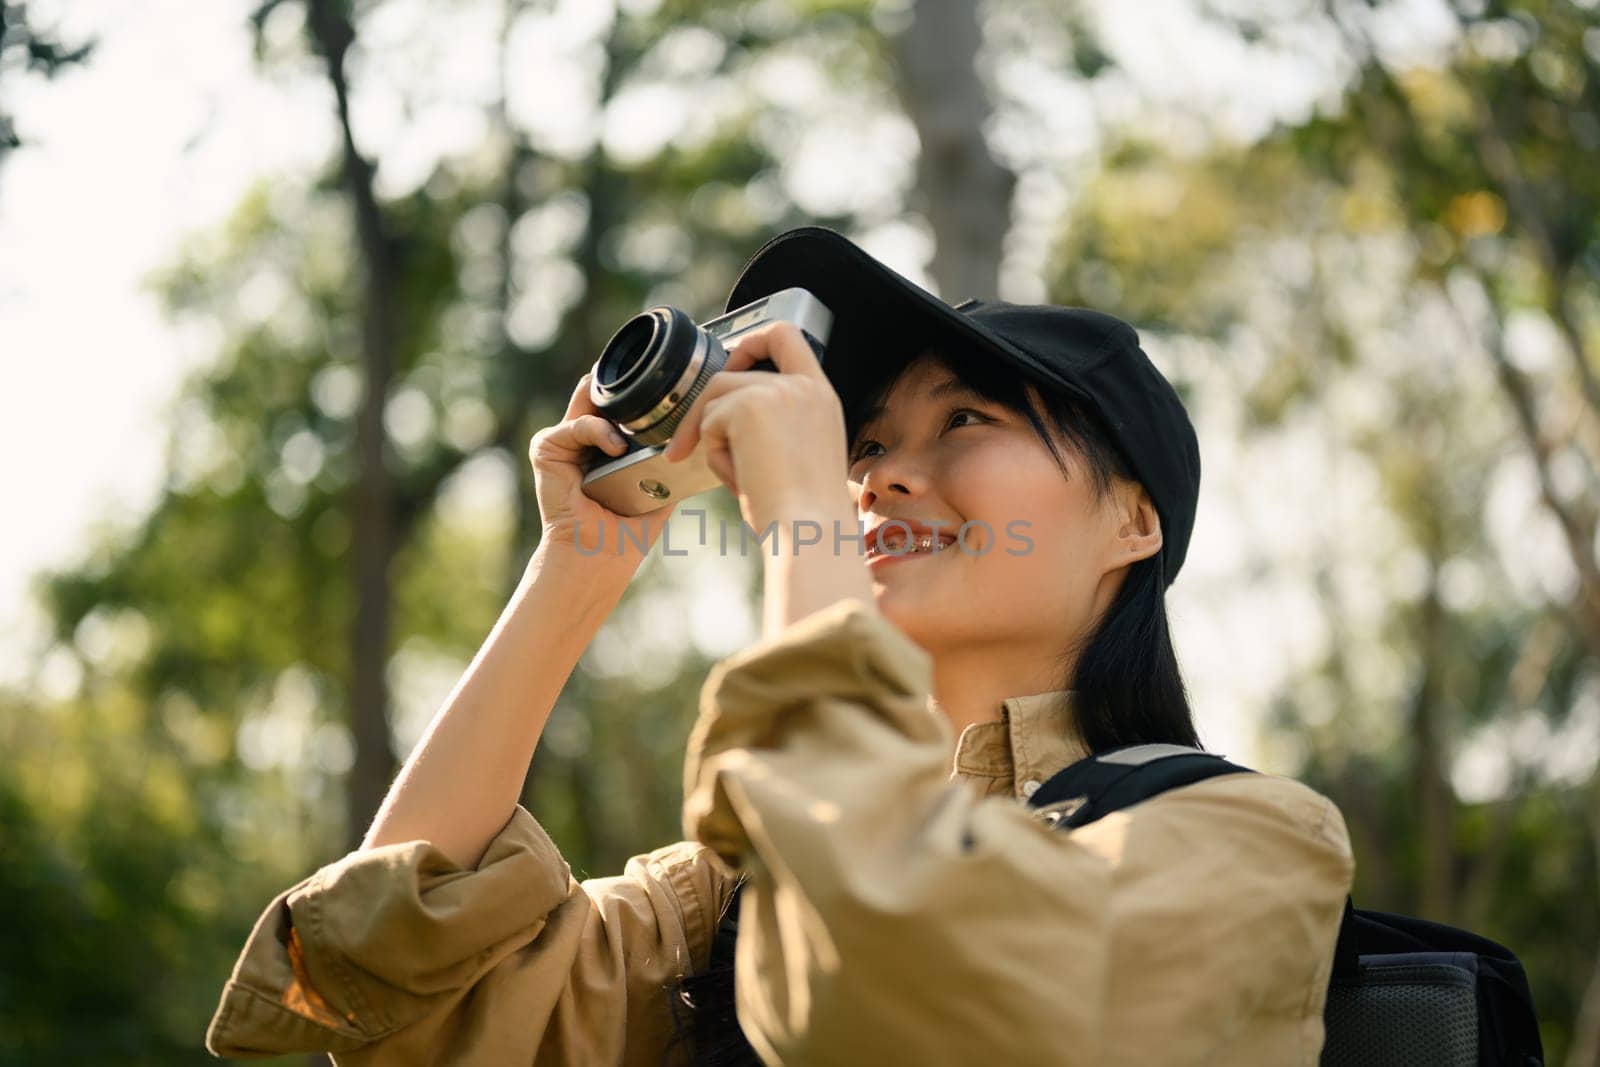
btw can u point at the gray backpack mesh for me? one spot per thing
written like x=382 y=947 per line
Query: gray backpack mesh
x=1403 y=1013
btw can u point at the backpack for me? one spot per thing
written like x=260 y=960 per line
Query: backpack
x=1404 y=991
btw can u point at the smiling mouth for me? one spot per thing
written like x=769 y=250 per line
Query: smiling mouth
x=927 y=544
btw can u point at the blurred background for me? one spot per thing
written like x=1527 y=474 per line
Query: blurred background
x=286 y=288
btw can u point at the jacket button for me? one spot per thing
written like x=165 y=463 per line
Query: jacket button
x=1030 y=787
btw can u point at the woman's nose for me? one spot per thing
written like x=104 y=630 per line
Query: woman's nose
x=894 y=474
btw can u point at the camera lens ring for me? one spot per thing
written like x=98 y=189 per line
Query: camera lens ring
x=627 y=354
x=661 y=423
x=650 y=372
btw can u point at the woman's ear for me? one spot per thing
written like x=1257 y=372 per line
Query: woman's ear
x=1138 y=524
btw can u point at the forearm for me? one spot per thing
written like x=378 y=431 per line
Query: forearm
x=800 y=579
x=461 y=782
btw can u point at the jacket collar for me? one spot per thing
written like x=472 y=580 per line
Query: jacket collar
x=1035 y=737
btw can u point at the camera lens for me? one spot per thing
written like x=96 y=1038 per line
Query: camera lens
x=624 y=356
x=650 y=372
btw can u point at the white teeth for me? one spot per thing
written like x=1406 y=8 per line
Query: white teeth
x=922 y=544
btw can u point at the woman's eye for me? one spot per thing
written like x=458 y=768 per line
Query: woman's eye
x=861 y=450
x=956 y=414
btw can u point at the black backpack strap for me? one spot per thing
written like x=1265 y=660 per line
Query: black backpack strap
x=1119 y=778
x=1347 y=952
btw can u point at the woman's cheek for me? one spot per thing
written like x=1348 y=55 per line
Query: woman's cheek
x=994 y=511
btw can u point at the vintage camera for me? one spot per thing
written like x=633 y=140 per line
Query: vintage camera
x=648 y=376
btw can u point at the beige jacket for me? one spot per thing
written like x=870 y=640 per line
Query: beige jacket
x=900 y=911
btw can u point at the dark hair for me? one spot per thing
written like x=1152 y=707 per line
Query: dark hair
x=705 y=1027
x=1125 y=673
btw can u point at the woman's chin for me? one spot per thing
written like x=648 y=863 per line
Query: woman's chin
x=902 y=607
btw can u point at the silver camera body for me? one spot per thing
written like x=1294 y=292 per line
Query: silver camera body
x=649 y=375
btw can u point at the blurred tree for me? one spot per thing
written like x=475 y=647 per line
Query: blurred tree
x=964 y=192
x=382 y=255
x=1491 y=164
x=348 y=501
x=218 y=641
x=1409 y=277
x=28 y=48
x=118 y=915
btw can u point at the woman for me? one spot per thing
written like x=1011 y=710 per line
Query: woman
x=863 y=768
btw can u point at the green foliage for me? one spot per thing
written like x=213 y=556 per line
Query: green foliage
x=1358 y=272
x=124 y=875
x=199 y=767
x=147 y=817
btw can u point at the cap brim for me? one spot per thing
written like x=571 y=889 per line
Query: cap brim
x=881 y=320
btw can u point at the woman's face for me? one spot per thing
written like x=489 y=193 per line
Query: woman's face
x=1030 y=570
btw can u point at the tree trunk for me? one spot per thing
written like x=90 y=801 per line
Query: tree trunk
x=516 y=367
x=1435 y=800
x=1578 y=520
x=1585 y=1048
x=372 y=517
x=582 y=334
x=964 y=192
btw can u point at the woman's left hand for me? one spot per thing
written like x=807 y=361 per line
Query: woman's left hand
x=775 y=439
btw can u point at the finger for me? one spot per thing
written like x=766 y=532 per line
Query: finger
x=720 y=460
x=783 y=344
x=581 y=404
x=653 y=520
x=718 y=452
x=687 y=435
x=570 y=438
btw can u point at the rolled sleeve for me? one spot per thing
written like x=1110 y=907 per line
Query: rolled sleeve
x=892 y=915
x=396 y=955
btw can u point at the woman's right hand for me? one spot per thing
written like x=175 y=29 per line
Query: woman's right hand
x=571 y=520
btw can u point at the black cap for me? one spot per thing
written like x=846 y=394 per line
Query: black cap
x=881 y=320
